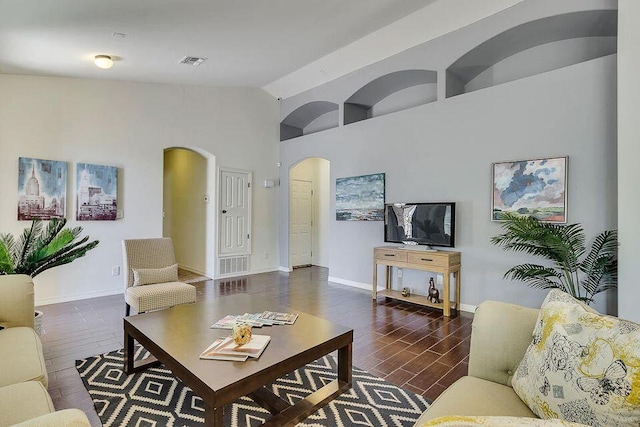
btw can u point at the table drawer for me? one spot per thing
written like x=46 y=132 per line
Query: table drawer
x=390 y=254
x=431 y=259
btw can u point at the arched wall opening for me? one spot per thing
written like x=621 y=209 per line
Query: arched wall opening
x=189 y=215
x=309 y=208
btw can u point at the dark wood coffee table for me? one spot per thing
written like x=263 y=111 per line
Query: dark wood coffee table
x=176 y=337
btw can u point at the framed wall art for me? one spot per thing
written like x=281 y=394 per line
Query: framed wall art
x=42 y=189
x=360 y=198
x=535 y=187
x=96 y=192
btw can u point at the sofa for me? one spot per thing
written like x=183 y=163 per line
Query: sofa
x=564 y=364
x=24 y=400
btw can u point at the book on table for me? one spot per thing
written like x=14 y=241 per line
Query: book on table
x=226 y=349
x=256 y=320
x=279 y=318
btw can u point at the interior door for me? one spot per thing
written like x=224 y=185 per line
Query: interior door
x=301 y=222
x=234 y=212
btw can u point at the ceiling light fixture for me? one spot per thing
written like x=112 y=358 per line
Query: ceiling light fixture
x=103 y=61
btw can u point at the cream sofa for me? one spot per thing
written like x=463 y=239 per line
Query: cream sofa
x=24 y=400
x=500 y=336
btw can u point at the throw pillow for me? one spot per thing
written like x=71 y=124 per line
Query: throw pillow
x=581 y=366
x=479 y=421
x=149 y=276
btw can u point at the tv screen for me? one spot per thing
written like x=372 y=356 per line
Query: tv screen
x=431 y=224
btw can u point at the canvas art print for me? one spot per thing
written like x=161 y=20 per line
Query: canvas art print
x=97 y=192
x=531 y=187
x=360 y=198
x=42 y=189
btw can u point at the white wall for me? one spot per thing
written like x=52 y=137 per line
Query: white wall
x=128 y=125
x=443 y=151
x=185 y=214
x=628 y=155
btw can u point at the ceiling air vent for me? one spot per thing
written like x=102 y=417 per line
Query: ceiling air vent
x=192 y=60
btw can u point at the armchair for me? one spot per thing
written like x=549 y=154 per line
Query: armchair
x=151 y=255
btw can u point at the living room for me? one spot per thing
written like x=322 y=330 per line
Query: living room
x=436 y=151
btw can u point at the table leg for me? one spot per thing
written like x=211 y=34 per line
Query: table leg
x=457 y=275
x=375 y=280
x=446 y=297
x=344 y=363
x=129 y=351
x=212 y=416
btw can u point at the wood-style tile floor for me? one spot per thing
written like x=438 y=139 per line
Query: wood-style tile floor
x=411 y=346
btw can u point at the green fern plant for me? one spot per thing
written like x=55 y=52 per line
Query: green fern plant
x=41 y=247
x=571 y=268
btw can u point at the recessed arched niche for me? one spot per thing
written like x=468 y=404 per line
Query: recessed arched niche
x=533 y=48
x=390 y=93
x=313 y=117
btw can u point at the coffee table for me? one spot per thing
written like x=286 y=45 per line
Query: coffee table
x=176 y=336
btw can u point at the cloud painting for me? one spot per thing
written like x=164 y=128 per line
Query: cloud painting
x=360 y=198
x=531 y=187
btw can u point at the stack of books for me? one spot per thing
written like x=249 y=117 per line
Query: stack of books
x=256 y=320
x=227 y=349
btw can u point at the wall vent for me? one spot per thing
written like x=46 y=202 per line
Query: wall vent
x=192 y=60
x=233 y=265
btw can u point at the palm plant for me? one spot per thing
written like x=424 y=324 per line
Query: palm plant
x=40 y=248
x=571 y=268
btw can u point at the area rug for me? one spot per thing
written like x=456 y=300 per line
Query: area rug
x=187 y=276
x=156 y=398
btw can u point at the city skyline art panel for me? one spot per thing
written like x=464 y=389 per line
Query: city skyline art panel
x=42 y=189
x=96 y=192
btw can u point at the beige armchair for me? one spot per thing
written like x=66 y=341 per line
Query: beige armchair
x=153 y=259
x=23 y=378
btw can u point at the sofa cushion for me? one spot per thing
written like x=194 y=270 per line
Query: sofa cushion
x=467 y=421
x=23 y=401
x=21 y=356
x=67 y=418
x=149 y=276
x=474 y=396
x=581 y=366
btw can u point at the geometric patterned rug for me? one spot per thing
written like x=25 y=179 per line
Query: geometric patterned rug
x=156 y=398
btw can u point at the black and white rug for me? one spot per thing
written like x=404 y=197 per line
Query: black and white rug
x=156 y=398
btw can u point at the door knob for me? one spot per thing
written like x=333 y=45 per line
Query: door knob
x=224 y=211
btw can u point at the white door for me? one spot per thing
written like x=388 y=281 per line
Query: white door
x=234 y=212
x=301 y=222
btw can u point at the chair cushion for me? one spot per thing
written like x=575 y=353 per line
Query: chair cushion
x=23 y=401
x=67 y=418
x=149 y=276
x=467 y=421
x=159 y=295
x=21 y=357
x=581 y=366
x=474 y=396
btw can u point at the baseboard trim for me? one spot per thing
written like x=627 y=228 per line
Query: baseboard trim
x=192 y=270
x=468 y=308
x=352 y=283
x=285 y=269
x=78 y=297
x=249 y=273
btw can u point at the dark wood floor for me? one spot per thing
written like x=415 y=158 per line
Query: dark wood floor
x=413 y=347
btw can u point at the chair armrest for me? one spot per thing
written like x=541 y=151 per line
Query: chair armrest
x=500 y=336
x=16 y=301
x=67 y=418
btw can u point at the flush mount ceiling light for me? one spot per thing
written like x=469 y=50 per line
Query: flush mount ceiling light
x=103 y=61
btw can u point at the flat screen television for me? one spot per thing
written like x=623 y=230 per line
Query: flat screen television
x=431 y=224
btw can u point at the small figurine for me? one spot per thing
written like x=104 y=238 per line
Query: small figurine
x=406 y=292
x=241 y=333
x=434 y=294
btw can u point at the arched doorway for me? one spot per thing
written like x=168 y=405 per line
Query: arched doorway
x=309 y=213
x=189 y=216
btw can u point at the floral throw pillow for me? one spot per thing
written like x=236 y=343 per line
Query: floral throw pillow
x=581 y=366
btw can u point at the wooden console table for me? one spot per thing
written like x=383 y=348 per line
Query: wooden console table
x=443 y=262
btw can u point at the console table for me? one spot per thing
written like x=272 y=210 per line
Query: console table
x=443 y=262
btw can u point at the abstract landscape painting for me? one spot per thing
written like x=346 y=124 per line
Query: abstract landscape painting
x=360 y=198
x=97 y=192
x=42 y=189
x=535 y=188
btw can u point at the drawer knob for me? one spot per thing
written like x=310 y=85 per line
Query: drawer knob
x=389 y=254
x=426 y=259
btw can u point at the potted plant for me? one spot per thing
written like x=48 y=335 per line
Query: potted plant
x=41 y=247
x=570 y=267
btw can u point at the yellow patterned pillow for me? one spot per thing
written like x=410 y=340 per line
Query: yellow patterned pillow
x=477 y=421
x=581 y=366
x=150 y=276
